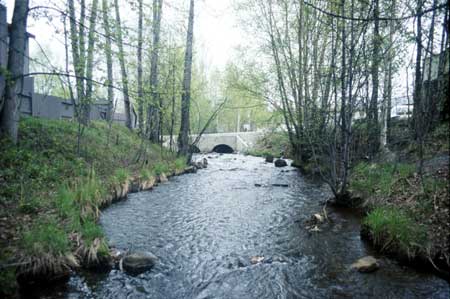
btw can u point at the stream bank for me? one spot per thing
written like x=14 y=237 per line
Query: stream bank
x=230 y=231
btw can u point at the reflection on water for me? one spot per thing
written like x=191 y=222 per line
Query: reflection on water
x=205 y=228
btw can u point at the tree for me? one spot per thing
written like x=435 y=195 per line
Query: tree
x=123 y=69
x=183 y=139
x=90 y=61
x=109 y=60
x=155 y=105
x=374 y=127
x=10 y=114
x=140 y=87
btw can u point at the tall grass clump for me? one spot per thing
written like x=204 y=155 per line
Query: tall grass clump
x=160 y=168
x=393 y=230
x=378 y=179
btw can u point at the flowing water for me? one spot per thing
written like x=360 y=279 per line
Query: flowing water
x=206 y=227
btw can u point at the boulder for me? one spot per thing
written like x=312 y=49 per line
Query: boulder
x=280 y=163
x=139 y=262
x=366 y=264
x=318 y=218
x=269 y=159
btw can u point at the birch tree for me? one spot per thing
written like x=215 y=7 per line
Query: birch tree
x=10 y=114
x=155 y=105
x=183 y=138
x=123 y=69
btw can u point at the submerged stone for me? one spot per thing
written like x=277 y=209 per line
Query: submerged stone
x=280 y=163
x=139 y=262
x=269 y=159
x=366 y=264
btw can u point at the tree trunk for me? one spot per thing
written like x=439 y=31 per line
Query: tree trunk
x=76 y=57
x=417 y=97
x=10 y=115
x=155 y=104
x=3 y=52
x=140 y=91
x=109 y=61
x=374 y=127
x=183 y=139
x=86 y=106
x=126 y=96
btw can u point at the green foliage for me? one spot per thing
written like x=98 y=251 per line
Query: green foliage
x=370 y=179
x=275 y=144
x=160 y=168
x=180 y=163
x=393 y=229
x=45 y=237
x=62 y=189
x=121 y=176
x=145 y=174
x=90 y=231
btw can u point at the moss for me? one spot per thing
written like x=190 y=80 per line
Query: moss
x=393 y=230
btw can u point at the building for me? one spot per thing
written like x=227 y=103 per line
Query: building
x=40 y=105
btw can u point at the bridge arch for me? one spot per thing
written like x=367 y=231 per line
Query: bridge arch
x=223 y=149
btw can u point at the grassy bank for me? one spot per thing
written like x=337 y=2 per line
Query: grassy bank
x=51 y=193
x=274 y=144
x=408 y=213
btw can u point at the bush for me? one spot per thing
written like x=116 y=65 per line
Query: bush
x=394 y=230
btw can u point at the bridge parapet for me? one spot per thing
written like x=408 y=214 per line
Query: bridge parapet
x=240 y=141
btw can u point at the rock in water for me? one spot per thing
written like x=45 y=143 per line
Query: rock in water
x=256 y=260
x=366 y=264
x=269 y=159
x=138 y=262
x=280 y=163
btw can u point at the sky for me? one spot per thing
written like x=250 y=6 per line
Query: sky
x=215 y=29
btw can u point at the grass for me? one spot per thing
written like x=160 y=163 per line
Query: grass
x=274 y=144
x=160 y=168
x=370 y=179
x=45 y=238
x=392 y=229
x=121 y=176
x=52 y=193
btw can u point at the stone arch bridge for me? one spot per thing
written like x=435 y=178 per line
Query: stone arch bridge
x=223 y=142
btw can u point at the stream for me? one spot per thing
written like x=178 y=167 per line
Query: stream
x=206 y=227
